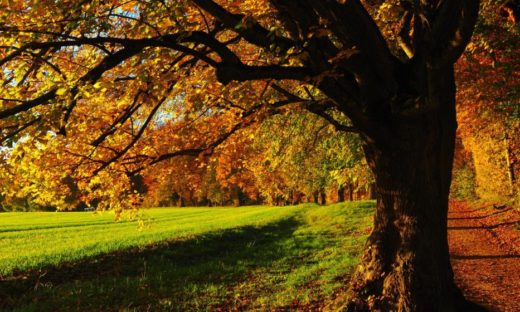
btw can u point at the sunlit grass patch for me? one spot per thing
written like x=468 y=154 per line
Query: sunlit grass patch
x=257 y=258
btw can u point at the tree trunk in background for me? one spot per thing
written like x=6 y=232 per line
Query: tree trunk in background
x=372 y=191
x=323 y=198
x=350 y=192
x=406 y=264
x=510 y=166
x=237 y=199
x=296 y=198
x=341 y=194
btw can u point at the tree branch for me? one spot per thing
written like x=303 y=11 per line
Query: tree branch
x=458 y=34
x=353 y=26
x=27 y=105
x=95 y=73
x=403 y=38
x=320 y=110
x=20 y=129
x=248 y=28
x=120 y=120
x=139 y=133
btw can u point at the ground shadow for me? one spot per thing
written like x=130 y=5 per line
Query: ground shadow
x=478 y=257
x=217 y=259
x=479 y=227
x=481 y=217
x=466 y=211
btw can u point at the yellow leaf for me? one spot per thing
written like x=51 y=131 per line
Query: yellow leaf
x=61 y=91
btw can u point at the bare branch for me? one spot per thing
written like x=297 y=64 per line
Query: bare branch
x=139 y=133
x=19 y=130
x=27 y=105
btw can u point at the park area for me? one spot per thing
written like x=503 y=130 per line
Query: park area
x=181 y=259
x=296 y=258
x=260 y=155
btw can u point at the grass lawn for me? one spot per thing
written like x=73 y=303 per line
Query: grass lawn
x=180 y=259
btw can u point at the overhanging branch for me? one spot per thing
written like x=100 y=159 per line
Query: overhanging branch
x=27 y=105
x=248 y=28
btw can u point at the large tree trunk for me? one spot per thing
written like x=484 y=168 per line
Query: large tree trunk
x=406 y=264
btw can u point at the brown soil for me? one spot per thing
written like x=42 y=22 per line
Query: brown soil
x=485 y=248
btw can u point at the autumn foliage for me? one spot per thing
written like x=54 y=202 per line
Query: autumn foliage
x=170 y=126
x=90 y=154
x=489 y=110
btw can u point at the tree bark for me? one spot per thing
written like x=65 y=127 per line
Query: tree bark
x=372 y=191
x=510 y=166
x=236 y=196
x=323 y=198
x=406 y=264
x=341 y=193
x=350 y=192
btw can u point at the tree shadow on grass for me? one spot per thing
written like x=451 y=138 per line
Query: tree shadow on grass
x=202 y=270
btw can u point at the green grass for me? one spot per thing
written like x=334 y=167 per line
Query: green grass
x=187 y=259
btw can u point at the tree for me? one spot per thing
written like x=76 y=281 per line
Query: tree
x=100 y=73
x=299 y=156
x=488 y=83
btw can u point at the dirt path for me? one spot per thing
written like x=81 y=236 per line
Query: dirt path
x=484 y=244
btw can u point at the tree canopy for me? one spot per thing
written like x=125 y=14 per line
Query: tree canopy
x=105 y=89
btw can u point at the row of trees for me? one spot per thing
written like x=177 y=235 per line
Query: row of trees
x=488 y=78
x=286 y=159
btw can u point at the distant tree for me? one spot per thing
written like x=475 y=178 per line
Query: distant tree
x=121 y=85
x=488 y=80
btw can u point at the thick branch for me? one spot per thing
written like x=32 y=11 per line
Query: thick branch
x=239 y=72
x=248 y=28
x=95 y=73
x=353 y=25
x=27 y=105
x=460 y=35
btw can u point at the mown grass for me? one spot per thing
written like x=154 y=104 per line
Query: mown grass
x=251 y=258
x=37 y=239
